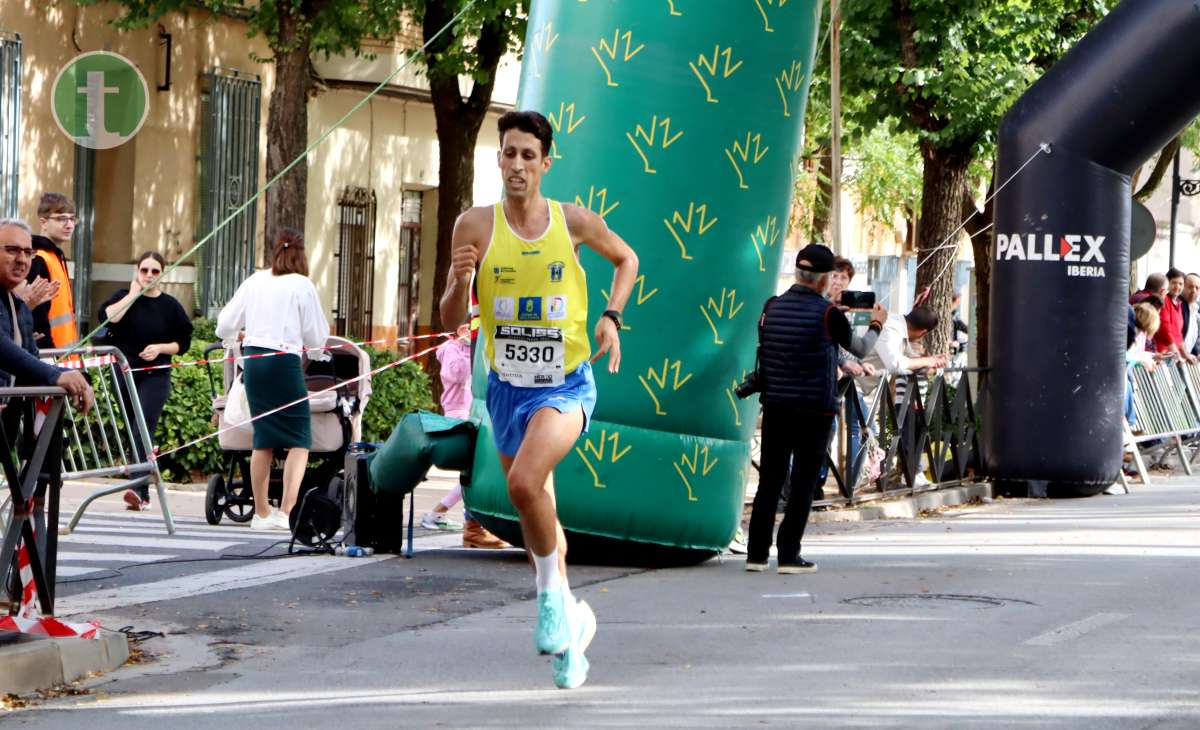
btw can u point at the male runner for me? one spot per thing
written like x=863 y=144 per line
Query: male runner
x=532 y=293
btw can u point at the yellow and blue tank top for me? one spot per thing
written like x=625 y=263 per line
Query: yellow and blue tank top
x=533 y=303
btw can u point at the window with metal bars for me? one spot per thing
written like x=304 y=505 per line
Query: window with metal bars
x=356 y=263
x=10 y=121
x=409 y=276
x=231 y=104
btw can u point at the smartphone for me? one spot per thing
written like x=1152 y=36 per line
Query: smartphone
x=858 y=299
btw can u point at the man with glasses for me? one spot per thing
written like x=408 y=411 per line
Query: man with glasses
x=54 y=318
x=19 y=363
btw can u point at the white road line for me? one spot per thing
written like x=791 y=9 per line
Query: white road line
x=159 y=543
x=1075 y=630
x=789 y=595
x=66 y=571
x=233 y=534
x=151 y=516
x=243 y=576
x=119 y=558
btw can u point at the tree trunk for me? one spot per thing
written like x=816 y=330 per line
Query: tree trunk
x=287 y=129
x=456 y=185
x=945 y=178
x=458 y=122
x=978 y=228
x=822 y=201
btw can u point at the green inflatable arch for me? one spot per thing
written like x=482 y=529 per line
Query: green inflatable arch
x=678 y=121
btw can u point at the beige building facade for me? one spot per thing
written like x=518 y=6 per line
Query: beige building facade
x=372 y=183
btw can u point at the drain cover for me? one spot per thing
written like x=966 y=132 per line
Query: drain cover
x=932 y=600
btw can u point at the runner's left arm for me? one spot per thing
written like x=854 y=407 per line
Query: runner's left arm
x=590 y=229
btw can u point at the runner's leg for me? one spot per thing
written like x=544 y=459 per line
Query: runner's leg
x=548 y=438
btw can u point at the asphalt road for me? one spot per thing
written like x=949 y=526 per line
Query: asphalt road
x=1016 y=614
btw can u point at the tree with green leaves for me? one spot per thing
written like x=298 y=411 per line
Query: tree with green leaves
x=293 y=30
x=946 y=71
x=487 y=31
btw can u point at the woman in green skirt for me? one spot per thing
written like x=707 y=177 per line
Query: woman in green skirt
x=281 y=316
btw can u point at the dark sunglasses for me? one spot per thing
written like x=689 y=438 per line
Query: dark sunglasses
x=151 y=272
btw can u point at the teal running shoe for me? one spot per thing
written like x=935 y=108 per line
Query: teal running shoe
x=552 y=635
x=571 y=666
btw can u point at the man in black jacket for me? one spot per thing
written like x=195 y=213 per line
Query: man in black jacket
x=19 y=363
x=799 y=335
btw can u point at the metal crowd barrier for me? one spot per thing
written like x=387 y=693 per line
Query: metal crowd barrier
x=1167 y=403
x=111 y=440
x=933 y=427
x=33 y=474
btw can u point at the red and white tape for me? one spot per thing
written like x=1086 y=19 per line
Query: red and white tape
x=190 y=363
x=158 y=455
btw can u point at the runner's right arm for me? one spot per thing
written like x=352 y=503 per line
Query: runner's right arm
x=466 y=250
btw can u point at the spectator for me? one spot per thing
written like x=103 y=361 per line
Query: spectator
x=148 y=329
x=454 y=357
x=1191 y=324
x=1156 y=285
x=54 y=319
x=19 y=363
x=897 y=356
x=1146 y=322
x=849 y=366
x=281 y=314
x=1169 y=338
x=961 y=331
x=799 y=333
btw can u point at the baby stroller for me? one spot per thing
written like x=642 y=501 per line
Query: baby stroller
x=336 y=423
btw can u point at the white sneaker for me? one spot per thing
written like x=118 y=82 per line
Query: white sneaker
x=281 y=520
x=274 y=521
x=439 y=521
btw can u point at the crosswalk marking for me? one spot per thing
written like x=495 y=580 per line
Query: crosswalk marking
x=70 y=571
x=152 y=542
x=70 y=556
x=245 y=534
x=242 y=576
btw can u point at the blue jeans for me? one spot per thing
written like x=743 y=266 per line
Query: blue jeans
x=854 y=435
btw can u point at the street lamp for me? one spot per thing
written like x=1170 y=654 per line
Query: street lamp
x=1179 y=186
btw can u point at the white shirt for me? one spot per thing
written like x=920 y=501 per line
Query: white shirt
x=278 y=313
x=1189 y=337
x=892 y=346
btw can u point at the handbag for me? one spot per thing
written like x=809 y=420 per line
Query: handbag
x=237 y=405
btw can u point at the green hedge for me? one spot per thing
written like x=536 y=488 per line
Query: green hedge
x=394 y=392
x=188 y=412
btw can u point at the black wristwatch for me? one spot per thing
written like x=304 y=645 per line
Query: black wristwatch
x=614 y=315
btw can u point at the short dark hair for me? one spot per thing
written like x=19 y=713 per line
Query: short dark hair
x=843 y=264
x=529 y=122
x=922 y=318
x=289 y=256
x=1154 y=282
x=52 y=203
x=151 y=255
x=1174 y=273
x=1153 y=301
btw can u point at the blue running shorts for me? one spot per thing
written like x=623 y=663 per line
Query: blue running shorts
x=511 y=406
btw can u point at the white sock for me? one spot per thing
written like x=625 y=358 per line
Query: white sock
x=547 y=576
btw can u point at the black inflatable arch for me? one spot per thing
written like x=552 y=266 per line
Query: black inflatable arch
x=1061 y=242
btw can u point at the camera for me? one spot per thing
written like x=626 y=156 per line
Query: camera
x=751 y=385
x=858 y=299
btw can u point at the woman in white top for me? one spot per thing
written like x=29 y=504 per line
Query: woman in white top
x=280 y=312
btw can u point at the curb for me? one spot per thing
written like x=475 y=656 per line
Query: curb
x=906 y=508
x=42 y=663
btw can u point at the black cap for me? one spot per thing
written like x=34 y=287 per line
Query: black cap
x=818 y=258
